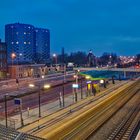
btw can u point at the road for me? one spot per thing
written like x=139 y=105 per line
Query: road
x=13 y=88
x=47 y=96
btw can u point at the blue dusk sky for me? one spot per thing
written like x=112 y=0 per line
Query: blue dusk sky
x=80 y=25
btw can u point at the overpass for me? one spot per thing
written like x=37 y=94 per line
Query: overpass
x=111 y=69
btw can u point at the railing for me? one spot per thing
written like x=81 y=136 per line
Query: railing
x=12 y=134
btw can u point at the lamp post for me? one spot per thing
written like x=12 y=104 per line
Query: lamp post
x=5 y=101
x=81 y=87
x=6 y=111
x=63 y=84
x=103 y=82
x=13 y=56
x=55 y=58
x=113 y=81
x=39 y=95
x=88 y=84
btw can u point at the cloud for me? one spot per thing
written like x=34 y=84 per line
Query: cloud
x=127 y=39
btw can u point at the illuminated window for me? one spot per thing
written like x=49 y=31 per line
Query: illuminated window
x=12 y=42
x=17 y=42
x=29 y=27
x=24 y=42
x=24 y=33
x=29 y=42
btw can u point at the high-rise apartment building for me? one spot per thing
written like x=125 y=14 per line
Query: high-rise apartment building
x=25 y=43
x=20 y=41
x=42 y=44
x=3 y=60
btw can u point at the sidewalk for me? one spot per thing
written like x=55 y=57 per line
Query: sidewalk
x=30 y=116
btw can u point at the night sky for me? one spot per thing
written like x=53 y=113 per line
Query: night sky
x=100 y=25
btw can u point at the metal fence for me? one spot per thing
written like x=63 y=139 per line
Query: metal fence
x=12 y=134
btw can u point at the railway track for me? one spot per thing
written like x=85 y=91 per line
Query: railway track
x=88 y=121
x=33 y=129
x=99 y=119
x=127 y=127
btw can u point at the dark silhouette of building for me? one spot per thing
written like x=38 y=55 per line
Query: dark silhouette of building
x=91 y=59
x=3 y=59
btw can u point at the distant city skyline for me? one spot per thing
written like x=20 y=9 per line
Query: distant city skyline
x=77 y=25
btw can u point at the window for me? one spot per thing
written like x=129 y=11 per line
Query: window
x=17 y=33
x=17 y=42
x=24 y=42
x=12 y=42
x=24 y=33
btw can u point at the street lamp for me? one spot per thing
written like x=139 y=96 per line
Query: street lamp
x=55 y=58
x=46 y=86
x=13 y=56
x=88 y=84
x=103 y=82
x=6 y=114
x=42 y=76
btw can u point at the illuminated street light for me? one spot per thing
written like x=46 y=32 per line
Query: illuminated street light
x=31 y=85
x=46 y=86
x=87 y=77
x=39 y=93
x=42 y=76
x=13 y=56
x=78 y=70
x=55 y=57
x=101 y=81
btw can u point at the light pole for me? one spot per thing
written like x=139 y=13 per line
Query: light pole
x=81 y=87
x=88 y=84
x=39 y=95
x=6 y=112
x=63 y=84
x=113 y=81
x=13 y=56
x=76 y=76
x=55 y=58
x=103 y=82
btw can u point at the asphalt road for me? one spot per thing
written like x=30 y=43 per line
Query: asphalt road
x=31 y=100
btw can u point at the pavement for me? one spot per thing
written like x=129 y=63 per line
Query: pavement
x=31 y=115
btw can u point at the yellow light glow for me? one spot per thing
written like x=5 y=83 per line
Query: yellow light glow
x=47 y=86
x=31 y=85
x=75 y=76
x=87 y=77
x=13 y=55
x=101 y=81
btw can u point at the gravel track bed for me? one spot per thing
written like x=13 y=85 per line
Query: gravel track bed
x=104 y=132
